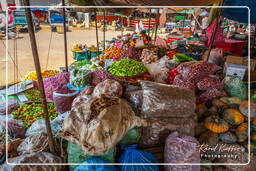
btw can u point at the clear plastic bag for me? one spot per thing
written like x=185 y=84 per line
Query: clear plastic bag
x=39 y=126
x=135 y=98
x=12 y=104
x=108 y=88
x=210 y=95
x=34 y=143
x=160 y=128
x=40 y=157
x=181 y=149
x=80 y=78
x=161 y=100
x=209 y=82
x=15 y=128
x=194 y=71
x=235 y=87
x=63 y=100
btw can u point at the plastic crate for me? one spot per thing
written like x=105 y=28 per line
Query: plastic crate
x=81 y=55
x=96 y=54
x=233 y=46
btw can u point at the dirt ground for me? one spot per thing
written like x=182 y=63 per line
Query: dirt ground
x=54 y=46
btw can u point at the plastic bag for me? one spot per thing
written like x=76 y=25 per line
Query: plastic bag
x=135 y=98
x=80 y=99
x=54 y=83
x=194 y=71
x=92 y=167
x=171 y=75
x=80 y=78
x=108 y=88
x=160 y=100
x=235 y=87
x=181 y=82
x=131 y=137
x=15 y=128
x=99 y=75
x=209 y=82
x=181 y=58
x=76 y=155
x=210 y=95
x=132 y=155
x=63 y=100
x=181 y=149
x=157 y=71
x=40 y=157
x=216 y=56
x=12 y=104
x=94 y=132
x=39 y=125
x=160 y=128
x=34 y=143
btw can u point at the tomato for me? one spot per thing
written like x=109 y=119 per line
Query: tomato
x=30 y=118
x=21 y=116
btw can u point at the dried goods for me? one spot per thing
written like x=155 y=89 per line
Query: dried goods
x=113 y=52
x=108 y=88
x=178 y=102
x=209 y=82
x=216 y=124
x=45 y=74
x=181 y=82
x=149 y=55
x=181 y=149
x=210 y=95
x=99 y=76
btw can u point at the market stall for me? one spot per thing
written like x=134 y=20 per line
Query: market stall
x=136 y=99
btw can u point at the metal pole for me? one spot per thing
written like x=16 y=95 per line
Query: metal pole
x=65 y=35
x=97 y=36
x=253 y=42
x=104 y=30
x=157 y=23
x=39 y=76
x=149 y=20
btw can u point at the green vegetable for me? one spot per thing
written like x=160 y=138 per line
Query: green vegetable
x=127 y=68
x=28 y=113
x=182 y=58
x=33 y=95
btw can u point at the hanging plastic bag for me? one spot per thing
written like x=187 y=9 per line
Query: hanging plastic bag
x=91 y=124
x=80 y=78
x=34 y=143
x=161 y=100
x=235 y=87
x=216 y=56
x=12 y=104
x=132 y=155
x=63 y=100
x=181 y=149
x=108 y=88
x=76 y=155
x=91 y=167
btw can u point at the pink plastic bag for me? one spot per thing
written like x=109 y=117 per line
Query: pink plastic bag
x=181 y=82
x=181 y=149
x=15 y=128
x=210 y=95
x=209 y=82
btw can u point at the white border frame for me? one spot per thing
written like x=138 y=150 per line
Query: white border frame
x=118 y=164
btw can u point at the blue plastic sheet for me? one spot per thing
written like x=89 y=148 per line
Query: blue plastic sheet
x=132 y=155
x=95 y=160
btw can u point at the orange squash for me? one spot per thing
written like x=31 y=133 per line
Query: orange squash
x=233 y=116
x=216 y=124
x=242 y=132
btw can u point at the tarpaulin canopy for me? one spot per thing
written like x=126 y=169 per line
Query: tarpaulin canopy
x=240 y=14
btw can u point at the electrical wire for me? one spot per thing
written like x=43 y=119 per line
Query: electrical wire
x=48 y=54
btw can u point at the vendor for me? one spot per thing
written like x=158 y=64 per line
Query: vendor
x=143 y=35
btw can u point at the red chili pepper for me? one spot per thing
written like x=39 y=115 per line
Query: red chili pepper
x=30 y=118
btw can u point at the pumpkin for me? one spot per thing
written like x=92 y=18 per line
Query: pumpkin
x=230 y=100
x=216 y=124
x=209 y=138
x=233 y=116
x=253 y=136
x=253 y=124
x=220 y=104
x=228 y=137
x=244 y=108
x=200 y=109
x=213 y=109
x=242 y=132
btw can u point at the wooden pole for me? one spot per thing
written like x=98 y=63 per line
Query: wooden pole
x=96 y=26
x=39 y=76
x=157 y=18
x=65 y=35
x=104 y=30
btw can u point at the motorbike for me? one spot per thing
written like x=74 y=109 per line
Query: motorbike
x=11 y=32
x=118 y=27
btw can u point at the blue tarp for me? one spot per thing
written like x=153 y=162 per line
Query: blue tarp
x=240 y=14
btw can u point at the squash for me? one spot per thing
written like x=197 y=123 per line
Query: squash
x=244 y=108
x=253 y=124
x=242 y=132
x=233 y=117
x=218 y=103
x=213 y=109
x=216 y=124
x=200 y=109
x=253 y=136
x=209 y=138
x=228 y=137
x=231 y=100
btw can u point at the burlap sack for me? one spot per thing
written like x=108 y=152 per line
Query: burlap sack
x=102 y=132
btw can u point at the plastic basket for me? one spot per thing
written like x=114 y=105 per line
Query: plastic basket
x=81 y=55
x=96 y=54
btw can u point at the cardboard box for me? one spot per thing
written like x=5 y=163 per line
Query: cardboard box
x=235 y=66
x=235 y=60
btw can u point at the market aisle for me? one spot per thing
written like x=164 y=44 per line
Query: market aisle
x=56 y=55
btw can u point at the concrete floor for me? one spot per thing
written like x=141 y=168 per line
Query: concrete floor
x=56 y=50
